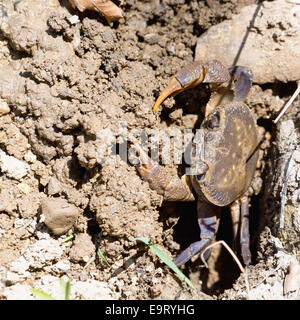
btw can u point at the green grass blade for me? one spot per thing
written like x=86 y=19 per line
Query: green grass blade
x=99 y=252
x=171 y=264
x=147 y=241
x=164 y=258
x=66 y=288
x=101 y=256
x=41 y=295
x=71 y=236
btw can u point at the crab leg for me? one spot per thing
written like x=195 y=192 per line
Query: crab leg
x=192 y=75
x=171 y=187
x=208 y=220
x=235 y=218
x=240 y=223
x=244 y=232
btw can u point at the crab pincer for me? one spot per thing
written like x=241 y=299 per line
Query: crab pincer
x=191 y=76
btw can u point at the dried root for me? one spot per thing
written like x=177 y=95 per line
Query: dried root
x=111 y=11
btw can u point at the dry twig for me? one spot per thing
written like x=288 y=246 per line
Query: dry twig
x=233 y=256
x=293 y=97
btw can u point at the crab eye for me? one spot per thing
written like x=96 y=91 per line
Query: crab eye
x=213 y=121
x=202 y=169
x=200 y=177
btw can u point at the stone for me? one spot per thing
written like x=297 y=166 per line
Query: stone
x=4 y=108
x=13 y=167
x=270 y=47
x=53 y=187
x=60 y=215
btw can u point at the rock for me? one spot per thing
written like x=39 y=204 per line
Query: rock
x=60 y=215
x=53 y=187
x=14 y=168
x=30 y=157
x=83 y=248
x=271 y=48
x=281 y=206
x=4 y=108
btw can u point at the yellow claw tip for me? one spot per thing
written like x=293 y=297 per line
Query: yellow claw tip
x=156 y=106
x=173 y=87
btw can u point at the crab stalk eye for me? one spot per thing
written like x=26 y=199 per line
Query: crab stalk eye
x=201 y=170
x=213 y=121
x=200 y=177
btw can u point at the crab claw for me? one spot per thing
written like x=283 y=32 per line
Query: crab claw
x=173 y=87
x=188 y=77
x=192 y=75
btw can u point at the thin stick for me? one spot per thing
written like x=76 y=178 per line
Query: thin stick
x=287 y=170
x=233 y=256
x=293 y=97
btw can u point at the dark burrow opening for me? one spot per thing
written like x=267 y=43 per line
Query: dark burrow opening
x=223 y=270
x=281 y=89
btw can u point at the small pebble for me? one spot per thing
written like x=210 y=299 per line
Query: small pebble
x=53 y=187
x=74 y=19
x=60 y=215
x=4 y=108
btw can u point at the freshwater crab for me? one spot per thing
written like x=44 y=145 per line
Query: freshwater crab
x=224 y=155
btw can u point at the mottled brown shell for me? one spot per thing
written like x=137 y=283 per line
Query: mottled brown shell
x=228 y=152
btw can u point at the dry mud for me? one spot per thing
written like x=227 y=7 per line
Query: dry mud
x=62 y=82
